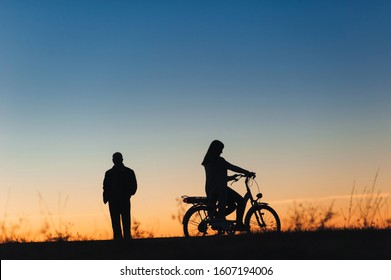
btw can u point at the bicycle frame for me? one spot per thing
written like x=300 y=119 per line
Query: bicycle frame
x=249 y=197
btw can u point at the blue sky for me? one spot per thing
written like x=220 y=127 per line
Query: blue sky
x=289 y=86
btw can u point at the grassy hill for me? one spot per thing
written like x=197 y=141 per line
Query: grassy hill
x=319 y=245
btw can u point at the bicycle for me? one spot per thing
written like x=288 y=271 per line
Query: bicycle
x=259 y=218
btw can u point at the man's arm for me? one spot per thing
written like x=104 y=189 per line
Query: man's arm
x=106 y=187
x=133 y=183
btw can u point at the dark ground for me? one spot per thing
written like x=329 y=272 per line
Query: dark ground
x=320 y=245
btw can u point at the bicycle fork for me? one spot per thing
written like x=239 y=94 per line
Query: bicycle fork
x=259 y=217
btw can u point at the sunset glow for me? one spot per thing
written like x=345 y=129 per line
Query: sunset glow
x=298 y=92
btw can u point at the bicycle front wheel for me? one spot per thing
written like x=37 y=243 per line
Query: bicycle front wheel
x=262 y=218
x=194 y=221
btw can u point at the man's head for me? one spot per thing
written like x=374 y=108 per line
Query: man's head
x=117 y=158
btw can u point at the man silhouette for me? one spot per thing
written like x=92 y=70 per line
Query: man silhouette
x=119 y=185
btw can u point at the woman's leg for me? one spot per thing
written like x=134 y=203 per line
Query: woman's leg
x=211 y=201
x=235 y=198
x=222 y=204
x=231 y=204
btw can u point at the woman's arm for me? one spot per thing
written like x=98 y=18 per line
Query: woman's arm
x=238 y=169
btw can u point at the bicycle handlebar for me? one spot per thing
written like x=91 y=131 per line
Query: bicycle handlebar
x=239 y=176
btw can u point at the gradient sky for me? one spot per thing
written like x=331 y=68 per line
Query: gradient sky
x=299 y=92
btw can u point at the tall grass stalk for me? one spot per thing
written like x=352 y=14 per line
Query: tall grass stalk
x=180 y=212
x=309 y=216
x=365 y=210
x=370 y=206
x=138 y=232
x=368 y=209
x=52 y=230
x=351 y=209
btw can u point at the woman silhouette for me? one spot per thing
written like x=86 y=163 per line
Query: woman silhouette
x=217 y=191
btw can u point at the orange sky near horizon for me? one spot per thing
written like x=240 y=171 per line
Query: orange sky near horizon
x=69 y=209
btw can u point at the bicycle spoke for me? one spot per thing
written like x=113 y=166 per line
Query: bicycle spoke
x=262 y=218
x=194 y=223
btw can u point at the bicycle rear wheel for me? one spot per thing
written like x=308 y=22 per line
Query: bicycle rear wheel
x=262 y=218
x=194 y=221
